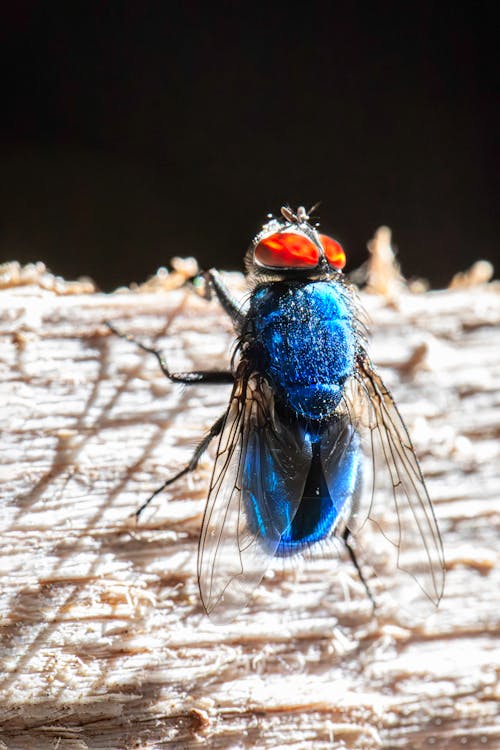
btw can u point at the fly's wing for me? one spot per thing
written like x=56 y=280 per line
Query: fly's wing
x=342 y=464
x=256 y=487
x=399 y=505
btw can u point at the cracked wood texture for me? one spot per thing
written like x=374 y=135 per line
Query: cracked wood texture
x=104 y=642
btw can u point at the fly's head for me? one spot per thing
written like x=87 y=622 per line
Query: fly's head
x=291 y=247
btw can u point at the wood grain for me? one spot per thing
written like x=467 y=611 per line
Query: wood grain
x=104 y=642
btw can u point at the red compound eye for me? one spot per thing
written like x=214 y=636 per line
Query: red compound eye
x=287 y=250
x=333 y=251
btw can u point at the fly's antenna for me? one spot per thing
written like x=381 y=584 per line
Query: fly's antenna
x=295 y=218
x=314 y=207
x=301 y=216
x=288 y=214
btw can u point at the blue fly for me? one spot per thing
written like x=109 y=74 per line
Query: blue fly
x=309 y=424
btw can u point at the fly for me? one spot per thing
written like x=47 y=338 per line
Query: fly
x=307 y=415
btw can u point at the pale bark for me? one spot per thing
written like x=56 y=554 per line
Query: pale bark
x=104 y=642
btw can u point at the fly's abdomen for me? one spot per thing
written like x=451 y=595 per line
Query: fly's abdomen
x=293 y=505
x=306 y=332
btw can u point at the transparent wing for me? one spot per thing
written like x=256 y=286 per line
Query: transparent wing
x=257 y=484
x=342 y=464
x=398 y=504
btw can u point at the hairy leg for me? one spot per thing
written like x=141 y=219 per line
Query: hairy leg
x=190 y=466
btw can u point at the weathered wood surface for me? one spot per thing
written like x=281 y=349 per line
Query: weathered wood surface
x=104 y=643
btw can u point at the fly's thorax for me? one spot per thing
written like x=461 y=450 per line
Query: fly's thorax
x=306 y=340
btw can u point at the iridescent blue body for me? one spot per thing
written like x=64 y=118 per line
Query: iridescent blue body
x=302 y=334
x=305 y=330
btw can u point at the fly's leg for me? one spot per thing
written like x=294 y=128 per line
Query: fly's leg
x=198 y=376
x=352 y=555
x=214 y=283
x=231 y=305
x=191 y=466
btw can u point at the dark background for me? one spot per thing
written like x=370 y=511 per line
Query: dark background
x=131 y=132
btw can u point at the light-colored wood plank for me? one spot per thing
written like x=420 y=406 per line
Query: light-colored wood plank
x=104 y=642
